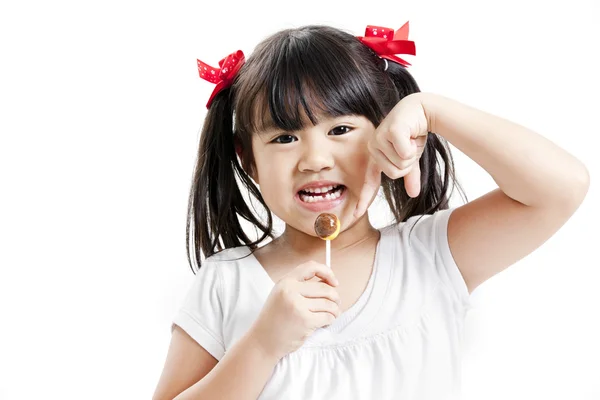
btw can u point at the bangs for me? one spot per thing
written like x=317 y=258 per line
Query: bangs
x=299 y=76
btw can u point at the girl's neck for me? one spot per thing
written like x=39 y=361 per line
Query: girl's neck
x=300 y=243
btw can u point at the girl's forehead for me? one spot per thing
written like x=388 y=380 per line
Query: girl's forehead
x=288 y=114
x=300 y=98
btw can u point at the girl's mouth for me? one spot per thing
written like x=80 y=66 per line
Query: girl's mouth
x=324 y=199
x=321 y=195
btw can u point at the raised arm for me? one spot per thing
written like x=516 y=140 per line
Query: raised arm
x=540 y=187
x=540 y=184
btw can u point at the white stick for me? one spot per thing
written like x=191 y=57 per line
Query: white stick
x=328 y=253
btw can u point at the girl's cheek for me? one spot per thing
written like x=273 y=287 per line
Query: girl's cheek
x=361 y=158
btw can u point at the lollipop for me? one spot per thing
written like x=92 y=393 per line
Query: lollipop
x=327 y=227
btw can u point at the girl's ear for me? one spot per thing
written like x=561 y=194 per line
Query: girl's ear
x=238 y=150
x=238 y=147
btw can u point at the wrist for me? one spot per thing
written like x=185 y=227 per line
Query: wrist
x=430 y=104
x=257 y=341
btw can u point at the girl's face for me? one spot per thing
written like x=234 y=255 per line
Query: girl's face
x=317 y=169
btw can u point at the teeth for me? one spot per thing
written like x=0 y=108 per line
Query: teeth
x=327 y=197
x=319 y=190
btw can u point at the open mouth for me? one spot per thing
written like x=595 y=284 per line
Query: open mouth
x=316 y=195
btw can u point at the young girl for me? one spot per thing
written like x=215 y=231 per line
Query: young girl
x=320 y=120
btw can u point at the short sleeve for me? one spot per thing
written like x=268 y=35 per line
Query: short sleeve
x=201 y=315
x=432 y=232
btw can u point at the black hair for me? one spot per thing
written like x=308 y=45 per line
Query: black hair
x=294 y=74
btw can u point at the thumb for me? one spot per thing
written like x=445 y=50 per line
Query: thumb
x=412 y=180
x=371 y=184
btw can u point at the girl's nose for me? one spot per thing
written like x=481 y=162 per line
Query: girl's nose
x=316 y=156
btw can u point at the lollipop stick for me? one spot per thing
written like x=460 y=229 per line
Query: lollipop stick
x=328 y=253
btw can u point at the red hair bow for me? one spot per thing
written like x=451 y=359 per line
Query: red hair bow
x=223 y=76
x=386 y=43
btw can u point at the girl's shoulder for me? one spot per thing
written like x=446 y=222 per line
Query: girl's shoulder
x=230 y=255
x=421 y=245
x=424 y=227
x=230 y=264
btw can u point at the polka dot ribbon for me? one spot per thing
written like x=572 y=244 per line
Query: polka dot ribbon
x=386 y=43
x=223 y=76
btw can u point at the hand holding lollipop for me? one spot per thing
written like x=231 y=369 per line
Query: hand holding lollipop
x=327 y=227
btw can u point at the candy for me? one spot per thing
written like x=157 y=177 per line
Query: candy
x=327 y=226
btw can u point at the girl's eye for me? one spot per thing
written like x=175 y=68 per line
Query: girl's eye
x=285 y=139
x=340 y=130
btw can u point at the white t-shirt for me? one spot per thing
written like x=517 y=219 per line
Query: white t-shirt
x=400 y=340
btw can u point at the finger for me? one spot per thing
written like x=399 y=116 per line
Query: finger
x=420 y=142
x=309 y=270
x=314 y=290
x=391 y=170
x=412 y=181
x=322 y=319
x=323 y=305
x=370 y=186
x=403 y=145
x=387 y=156
x=389 y=150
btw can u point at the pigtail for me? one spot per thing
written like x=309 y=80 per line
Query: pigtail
x=215 y=199
x=438 y=178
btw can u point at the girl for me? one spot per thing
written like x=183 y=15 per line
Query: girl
x=320 y=120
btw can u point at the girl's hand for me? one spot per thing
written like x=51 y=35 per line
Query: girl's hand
x=395 y=149
x=295 y=308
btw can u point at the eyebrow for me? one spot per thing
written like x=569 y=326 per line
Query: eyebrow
x=268 y=126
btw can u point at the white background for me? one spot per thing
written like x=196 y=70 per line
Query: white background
x=100 y=108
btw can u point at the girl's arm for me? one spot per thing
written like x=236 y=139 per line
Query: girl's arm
x=241 y=374
x=540 y=187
